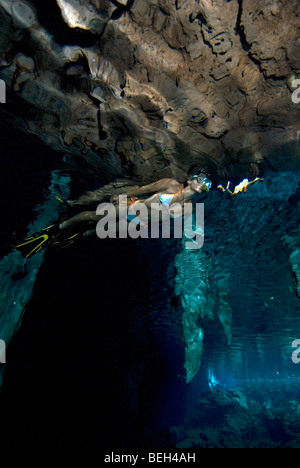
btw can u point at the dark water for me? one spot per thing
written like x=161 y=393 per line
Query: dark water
x=98 y=360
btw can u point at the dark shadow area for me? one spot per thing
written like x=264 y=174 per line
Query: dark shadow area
x=26 y=165
x=85 y=369
x=50 y=18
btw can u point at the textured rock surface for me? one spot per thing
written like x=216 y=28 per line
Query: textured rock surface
x=255 y=415
x=147 y=88
x=193 y=286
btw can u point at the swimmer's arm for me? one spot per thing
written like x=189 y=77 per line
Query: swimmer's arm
x=162 y=184
x=106 y=192
x=102 y=194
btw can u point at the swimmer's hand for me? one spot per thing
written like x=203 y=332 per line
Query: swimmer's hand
x=114 y=199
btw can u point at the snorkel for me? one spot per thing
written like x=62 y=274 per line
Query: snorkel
x=203 y=180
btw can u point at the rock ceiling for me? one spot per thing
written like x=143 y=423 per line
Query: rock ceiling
x=146 y=88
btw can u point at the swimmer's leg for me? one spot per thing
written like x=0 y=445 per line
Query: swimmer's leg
x=93 y=232
x=85 y=217
x=80 y=218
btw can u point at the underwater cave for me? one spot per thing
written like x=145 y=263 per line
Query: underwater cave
x=150 y=235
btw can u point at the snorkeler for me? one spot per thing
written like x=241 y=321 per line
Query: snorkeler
x=166 y=192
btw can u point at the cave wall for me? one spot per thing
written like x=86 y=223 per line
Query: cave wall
x=147 y=88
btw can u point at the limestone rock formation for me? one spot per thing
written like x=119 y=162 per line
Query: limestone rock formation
x=146 y=88
x=192 y=285
x=254 y=415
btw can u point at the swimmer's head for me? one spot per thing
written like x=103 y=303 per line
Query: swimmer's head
x=199 y=180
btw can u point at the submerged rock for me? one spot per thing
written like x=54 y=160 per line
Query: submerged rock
x=192 y=285
x=18 y=274
x=254 y=415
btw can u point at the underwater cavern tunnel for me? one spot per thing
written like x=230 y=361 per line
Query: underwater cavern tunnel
x=119 y=343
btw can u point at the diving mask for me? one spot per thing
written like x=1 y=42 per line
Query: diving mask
x=202 y=179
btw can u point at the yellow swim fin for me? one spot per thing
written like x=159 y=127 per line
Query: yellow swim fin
x=49 y=236
x=63 y=242
x=35 y=243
